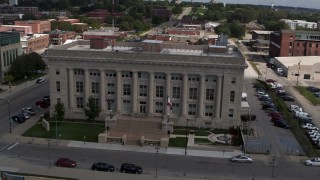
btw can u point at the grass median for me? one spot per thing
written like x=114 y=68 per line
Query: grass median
x=67 y=131
x=308 y=95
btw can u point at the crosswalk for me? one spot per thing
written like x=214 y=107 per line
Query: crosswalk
x=8 y=146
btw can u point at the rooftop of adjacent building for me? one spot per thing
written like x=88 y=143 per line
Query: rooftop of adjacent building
x=303 y=60
x=262 y=32
x=32 y=36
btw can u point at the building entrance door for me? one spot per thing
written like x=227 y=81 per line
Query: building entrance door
x=143 y=107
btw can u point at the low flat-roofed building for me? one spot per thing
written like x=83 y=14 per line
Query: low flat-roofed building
x=58 y=37
x=37 y=25
x=149 y=80
x=34 y=42
x=299 y=67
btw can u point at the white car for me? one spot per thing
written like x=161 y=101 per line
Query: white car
x=312 y=162
x=40 y=80
x=309 y=126
x=29 y=110
x=242 y=159
x=295 y=108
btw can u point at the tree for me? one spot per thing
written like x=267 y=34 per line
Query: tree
x=92 y=111
x=237 y=30
x=59 y=111
x=29 y=17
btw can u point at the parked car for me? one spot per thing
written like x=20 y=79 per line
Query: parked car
x=29 y=110
x=40 y=80
x=309 y=126
x=287 y=98
x=65 y=162
x=43 y=103
x=273 y=119
x=281 y=123
x=313 y=89
x=130 y=168
x=242 y=159
x=266 y=106
x=100 y=166
x=312 y=162
x=317 y=93
x=270 y=81
x=248 y=117
x=18 y=119
x=275 y=114
x=26 y=115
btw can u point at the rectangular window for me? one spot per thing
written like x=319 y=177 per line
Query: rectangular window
x=95 y=88
x=58 y=86
x=230 y=112
x=78 y=72
x=176 y=92
x=110 y=104
x=209 y=94
x=159 y=91
x=143 y=75
x=96 y=102
x=175 y=108
x=79 y=102
x=110 y=88
x=126 y=74
x=126 y=106
x=143 y=90
x=232 y=95
x=79 y=87
x=233 y=80
x=192 y=109
x=126 y=89
x=159 y=107
x=193 y=93
x=208 y=111
x=57 y=72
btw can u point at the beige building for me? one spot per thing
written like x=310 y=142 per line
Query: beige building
x=151 y=79
x=301 y=67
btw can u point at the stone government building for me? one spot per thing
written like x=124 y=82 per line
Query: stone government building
x=135 y=80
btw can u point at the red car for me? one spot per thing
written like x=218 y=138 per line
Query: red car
x=270 y=81
x=65 y=162
x=43 y=103
x=273 y=119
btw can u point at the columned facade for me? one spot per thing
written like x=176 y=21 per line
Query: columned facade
x=204 y=90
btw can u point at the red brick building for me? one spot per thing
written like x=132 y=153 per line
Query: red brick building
x=294 y=43
x=58 y=37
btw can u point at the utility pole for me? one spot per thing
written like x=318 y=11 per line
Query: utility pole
x=298 y=73
x=185 y=149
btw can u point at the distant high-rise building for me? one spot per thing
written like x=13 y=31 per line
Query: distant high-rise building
x=13 y=2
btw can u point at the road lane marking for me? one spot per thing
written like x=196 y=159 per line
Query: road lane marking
x=4 y=147
x=13 y=146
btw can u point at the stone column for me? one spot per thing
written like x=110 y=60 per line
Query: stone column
x=184 y=95
x=151 y=94
x=218 y=96
x=87 y=86
x=118 y=93
x=201 y=96
x=168 y=91
x=102 y=90
x=71 y=89
x=135 y=93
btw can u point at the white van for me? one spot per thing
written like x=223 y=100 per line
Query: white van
x=302 y=115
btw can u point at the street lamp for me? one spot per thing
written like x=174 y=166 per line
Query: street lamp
x=25 y=78
x=55 y=118
x=110 y=113
x=185 y=148
x=298 y=72
x=8 y=103
x=9 y=86
x=157 y=149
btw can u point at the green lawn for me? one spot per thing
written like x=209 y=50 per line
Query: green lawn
x=177 y=142
x=196 y=132
x=68 y=130
x=202 y=141
x=308 y=95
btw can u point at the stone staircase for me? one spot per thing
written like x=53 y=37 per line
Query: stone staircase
x=134 y=128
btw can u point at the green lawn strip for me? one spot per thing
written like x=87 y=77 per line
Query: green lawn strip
x=202 y=141
x=68 y=131
x=196 y=132
x=308 y=95
x=177 y=142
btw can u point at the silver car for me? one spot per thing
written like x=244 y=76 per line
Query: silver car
x=29 y=110
x=312 y=162
x=25 y=115
x=242 y=159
